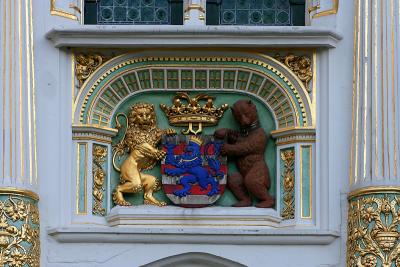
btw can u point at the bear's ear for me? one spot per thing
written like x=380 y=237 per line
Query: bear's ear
x=249 y=102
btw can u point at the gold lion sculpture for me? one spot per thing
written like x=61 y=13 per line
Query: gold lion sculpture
x=140 y=141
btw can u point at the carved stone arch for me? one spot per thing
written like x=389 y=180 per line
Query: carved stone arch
x=194 y=259
x=254 y=74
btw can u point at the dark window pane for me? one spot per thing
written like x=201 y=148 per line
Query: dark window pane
x=255 y=12
x=134 y=11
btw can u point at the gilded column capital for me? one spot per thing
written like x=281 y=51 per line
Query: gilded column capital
x=19 y=228
x=373 y=227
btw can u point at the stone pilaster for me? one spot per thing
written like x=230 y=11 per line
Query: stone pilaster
x=19 y=216
x=195 y=12
x=374 y=216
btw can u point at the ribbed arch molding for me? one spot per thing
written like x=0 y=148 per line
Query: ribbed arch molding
x=246 y=73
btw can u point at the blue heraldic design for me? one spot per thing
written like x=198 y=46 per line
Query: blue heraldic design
x=190 y=165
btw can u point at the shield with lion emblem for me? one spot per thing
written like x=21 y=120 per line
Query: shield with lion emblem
x=193 y=171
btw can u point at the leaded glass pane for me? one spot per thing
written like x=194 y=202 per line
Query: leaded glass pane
x=255 y=12
x=133 y=12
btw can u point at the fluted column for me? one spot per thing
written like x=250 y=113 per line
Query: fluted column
x=19 y=216
x=374 y=199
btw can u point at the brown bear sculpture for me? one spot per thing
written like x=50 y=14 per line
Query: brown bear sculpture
x=248 y=147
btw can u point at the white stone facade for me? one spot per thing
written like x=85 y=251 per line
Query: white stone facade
x=346 y=53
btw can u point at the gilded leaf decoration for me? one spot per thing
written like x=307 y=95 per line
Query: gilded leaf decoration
x=373 y=231
x=300 y=65
x=19 y=233
x=288 y=184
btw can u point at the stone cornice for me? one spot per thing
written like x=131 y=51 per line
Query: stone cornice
x=98 y=234
x=147 y=36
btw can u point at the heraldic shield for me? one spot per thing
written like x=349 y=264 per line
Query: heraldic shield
x=193 y=171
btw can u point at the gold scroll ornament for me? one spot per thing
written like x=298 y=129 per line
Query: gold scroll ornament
x=288 y=184
x=300 y=65
x=99 y=157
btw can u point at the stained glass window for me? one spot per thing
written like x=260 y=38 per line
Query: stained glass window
x=255 y=12
x=133 y=11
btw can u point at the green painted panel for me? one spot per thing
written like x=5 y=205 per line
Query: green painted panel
x=255 y=83
x=158 y=79
x=215 y=78
x=229 y=79
x=227 y=121
x=267 y=89
x=120 y=88
x=82 y=178
x=172 y=79
x=144 y=79
x=186 y=79
x=201 y=79
x=242 y=79
x=306 y=182
x=131 y=81
x=103 y=107
x=110 y=97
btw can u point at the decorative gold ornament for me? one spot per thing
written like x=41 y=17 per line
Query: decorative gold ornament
x=140 y=141
x=300 y=65
x=19 y=232
x=373 y=230
x=86 y=64
x=99 y=157
x=288 y=184
x=180 y=114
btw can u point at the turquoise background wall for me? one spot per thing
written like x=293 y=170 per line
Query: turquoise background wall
x=227 y=121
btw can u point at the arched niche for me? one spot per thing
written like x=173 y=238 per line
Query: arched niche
x=255 y=74
x=194 y=259
x=149 y=75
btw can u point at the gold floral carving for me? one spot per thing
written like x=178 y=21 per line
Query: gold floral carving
x=86 y=64
x=19 y=239
x=99 y=157
x=288 y=184
x=300 y=65
x=373 y=230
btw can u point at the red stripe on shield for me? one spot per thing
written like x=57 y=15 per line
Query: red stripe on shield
x=196 y=189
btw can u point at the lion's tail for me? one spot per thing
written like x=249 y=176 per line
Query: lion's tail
x=114 y=163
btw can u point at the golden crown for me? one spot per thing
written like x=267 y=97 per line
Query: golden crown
x=196 y=140
x=181 y=114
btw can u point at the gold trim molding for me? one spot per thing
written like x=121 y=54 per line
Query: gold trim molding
x=19 y=192
x=55 y=11
x=374 y=190
x=334 y=10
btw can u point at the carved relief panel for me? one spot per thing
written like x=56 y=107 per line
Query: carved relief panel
x=186 y=98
